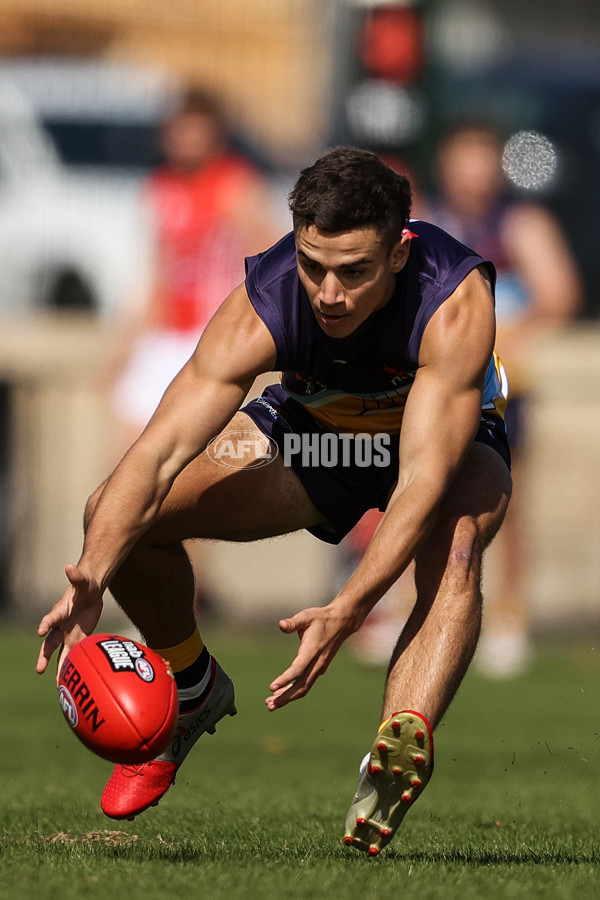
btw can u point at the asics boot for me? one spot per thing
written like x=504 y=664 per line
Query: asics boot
x=133 y=788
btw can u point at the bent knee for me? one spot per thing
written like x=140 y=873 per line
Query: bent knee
x=466 y=542
x=453 y=550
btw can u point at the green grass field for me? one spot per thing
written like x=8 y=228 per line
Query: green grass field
x=258 y=809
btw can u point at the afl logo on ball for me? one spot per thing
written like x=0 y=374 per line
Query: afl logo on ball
x=67 y=704
x=144 y=669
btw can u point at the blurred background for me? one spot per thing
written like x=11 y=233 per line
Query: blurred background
x=84 y=92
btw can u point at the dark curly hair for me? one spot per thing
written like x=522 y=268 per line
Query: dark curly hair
x=351 y=188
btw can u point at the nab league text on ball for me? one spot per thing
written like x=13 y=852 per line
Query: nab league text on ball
x=119 y=697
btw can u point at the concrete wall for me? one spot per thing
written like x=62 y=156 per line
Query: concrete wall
x=561 y=483
x=61 y=438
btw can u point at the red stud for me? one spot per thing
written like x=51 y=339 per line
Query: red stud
x=382 y=747
x=348 y=839
x=397 y=771
x=418 y=759
x=361 y=821
x=419 y=734
x=406 y=798
x=396 y=725
x=385 y=833
x=416 y=782
x=376 y=770
x=373 y=851
x=369 y=768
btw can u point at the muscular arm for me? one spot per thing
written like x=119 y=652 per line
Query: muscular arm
x=441 y=418
x=203 y=397
x=440 y=421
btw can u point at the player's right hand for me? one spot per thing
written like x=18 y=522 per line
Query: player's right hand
x=71 y=619
x=322 y=631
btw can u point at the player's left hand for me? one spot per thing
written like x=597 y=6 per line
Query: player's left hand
x=71 y=619
x=321 y=630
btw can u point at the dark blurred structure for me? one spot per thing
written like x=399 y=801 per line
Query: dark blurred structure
x=404 y=69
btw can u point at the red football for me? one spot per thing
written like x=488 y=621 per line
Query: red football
x=119 y=697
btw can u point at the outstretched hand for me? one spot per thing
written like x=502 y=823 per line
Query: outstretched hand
x=71 y=619
x=322 y=631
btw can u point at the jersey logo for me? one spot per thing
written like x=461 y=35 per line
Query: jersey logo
x=401 y=380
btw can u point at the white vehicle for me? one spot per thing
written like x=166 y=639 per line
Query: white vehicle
x=71 y=229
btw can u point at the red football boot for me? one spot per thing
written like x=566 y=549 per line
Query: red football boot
x=132 y=789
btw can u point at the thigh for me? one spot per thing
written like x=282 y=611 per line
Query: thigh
x=218 y=499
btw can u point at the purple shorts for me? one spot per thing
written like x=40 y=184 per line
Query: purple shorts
x=345 y=491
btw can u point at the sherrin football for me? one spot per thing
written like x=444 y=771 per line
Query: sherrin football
x=119 y=697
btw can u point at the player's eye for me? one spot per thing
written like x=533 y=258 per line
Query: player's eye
x=311 y=267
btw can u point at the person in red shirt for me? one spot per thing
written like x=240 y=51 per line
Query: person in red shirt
x=207 y=207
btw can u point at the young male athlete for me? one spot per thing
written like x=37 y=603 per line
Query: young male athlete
x=382 y=332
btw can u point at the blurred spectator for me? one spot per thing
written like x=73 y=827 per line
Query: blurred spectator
x=208 y=207
x=538 y=289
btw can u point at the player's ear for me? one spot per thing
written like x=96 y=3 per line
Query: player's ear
x=400 y=252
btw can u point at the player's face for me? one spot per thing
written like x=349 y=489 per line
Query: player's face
x=348 y=275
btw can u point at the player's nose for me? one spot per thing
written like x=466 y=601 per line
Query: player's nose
x=331 y=291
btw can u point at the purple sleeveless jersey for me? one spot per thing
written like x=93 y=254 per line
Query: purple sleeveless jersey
x=360 y=383
x=336 y=388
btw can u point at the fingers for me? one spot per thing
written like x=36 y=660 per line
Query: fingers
x=278 y=699
x=284 y=695
x=288 y=626
x=320 y=636
x=61 y=624
x=296 y=681
x=57 y=638
x=53 y=638
x=45 y=625
x=57 y=614
x=52 y=643
x=296 y=671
